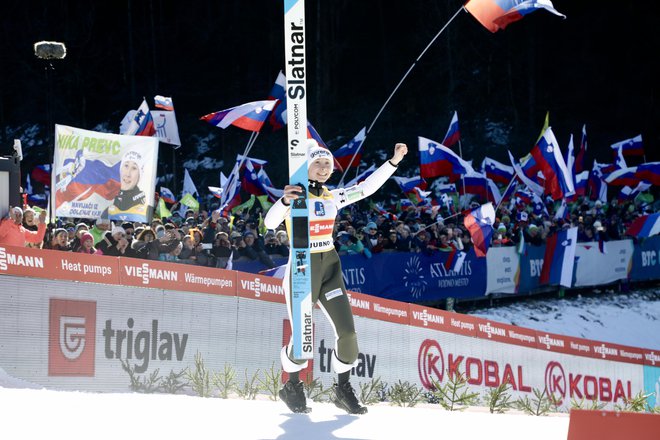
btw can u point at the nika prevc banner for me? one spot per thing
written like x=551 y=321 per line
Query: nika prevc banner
x=104 y=174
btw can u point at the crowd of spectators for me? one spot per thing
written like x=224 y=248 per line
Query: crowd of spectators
x=216 y=241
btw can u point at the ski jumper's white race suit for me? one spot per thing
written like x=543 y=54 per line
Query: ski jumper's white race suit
x=328 y=289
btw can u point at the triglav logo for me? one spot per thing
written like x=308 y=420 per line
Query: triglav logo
x=72 y=335
x=8 y=259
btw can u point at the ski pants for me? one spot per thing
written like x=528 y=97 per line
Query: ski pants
x=329 y=291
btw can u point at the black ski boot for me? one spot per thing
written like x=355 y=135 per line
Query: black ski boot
x=343 y=397
x=293 y=394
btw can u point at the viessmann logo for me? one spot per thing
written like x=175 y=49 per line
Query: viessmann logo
x=8 y=259
x=148 y=273
x=72 y=336
x=258 y=287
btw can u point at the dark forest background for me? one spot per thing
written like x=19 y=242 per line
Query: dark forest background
x=595 y=67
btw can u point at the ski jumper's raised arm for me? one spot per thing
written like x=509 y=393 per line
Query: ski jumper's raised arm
x=277 y=214
x=352 y=194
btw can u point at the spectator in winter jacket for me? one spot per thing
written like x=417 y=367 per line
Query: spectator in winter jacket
x=13 y=233
x=31 y=223
x=101 y=226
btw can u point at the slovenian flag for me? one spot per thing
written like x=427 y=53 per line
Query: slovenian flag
x=649 y=172
x=628 y=193
x=167 y=195
x=479 y=222
x=142 y=123
x=578 y=165
x=250 y=116
x=645 y=226
x=548 y=157
x=479 y=185
x=630 y=147
x=559 y=259
x=163 y=103
x=498 y=14
x=41 y=174
x=597 y=185
x=216 y=191
x=408 y=184
x=453 y=135
x=277 y=117
x=362 y=176
x=345 y=155
x=438 y=160
x=496 y=171
x=623 y=177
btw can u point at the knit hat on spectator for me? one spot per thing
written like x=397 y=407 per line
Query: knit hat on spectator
x=316 y=152
x=501 y=228
x=235 y=234
x=247 y=233
x=370 y=226
x=86 y=236
x=79 y=226
x=127 y=225
x=102 y=221
x=118 y=230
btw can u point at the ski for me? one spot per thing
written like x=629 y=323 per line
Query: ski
x=296 y=104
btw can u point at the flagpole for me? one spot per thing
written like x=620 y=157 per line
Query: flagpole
x=248 y=147
x=397 y=88
x=439 y=221
x=460 y=153
x=505 y=190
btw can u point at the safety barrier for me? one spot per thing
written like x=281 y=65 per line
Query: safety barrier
x=66 y=321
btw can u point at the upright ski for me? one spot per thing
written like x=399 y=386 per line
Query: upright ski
x=301 y=277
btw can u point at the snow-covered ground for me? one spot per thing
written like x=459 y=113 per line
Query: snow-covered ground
x=41 y=414
x=628 y=318
x=28 y=412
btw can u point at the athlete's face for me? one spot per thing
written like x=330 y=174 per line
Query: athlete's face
x=320 y=170
x=130 y=175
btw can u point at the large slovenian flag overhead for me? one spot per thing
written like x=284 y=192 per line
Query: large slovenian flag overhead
x=345 y=154
x=548 y=157
x=498 y=14
x=438 y=160
x=479 y=222
x=645 y=226
x=559 y=259
x=496 y=171
x=630 y=147
x=249 y=116
x=453 y=135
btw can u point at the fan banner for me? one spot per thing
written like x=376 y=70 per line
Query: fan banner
x=104 y=175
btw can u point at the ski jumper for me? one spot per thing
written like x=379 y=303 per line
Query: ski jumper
x=328 y=289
